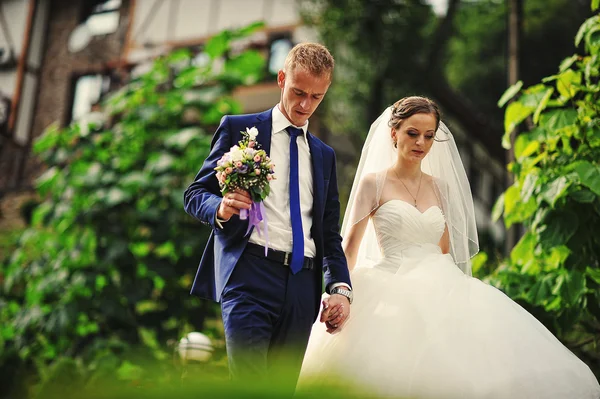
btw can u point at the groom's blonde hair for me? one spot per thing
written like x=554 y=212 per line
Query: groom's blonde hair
x=312 y=57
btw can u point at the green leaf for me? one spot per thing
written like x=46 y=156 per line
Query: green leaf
x=247 y=68
x=595 y=4
x=568 y=83
x=573 y=288
x=540 y=292
x=555 y=190
x=251 y=28
x=523 y=251
x=557 y=256
x=46 y=181
x=584 y=196
x=135 y=180
x=516 y=113
x=542 y=104
x=217 y=45
x=161 y=163
x=515 y=209
x=140 y=249
x=510 y=93
x=529 y=186
x=478 y=262
x=593 y=273
x=525 y=146
x=165 y=250
x=498 y=208
x=558 y=119
x=512 y=198
x=182 y=139
x=129 y=371
x=559 y=228
x=567 y=62
x=116 y=196
x=101 y=282
x=589 y=174
x=592 y=39
x=585 y=27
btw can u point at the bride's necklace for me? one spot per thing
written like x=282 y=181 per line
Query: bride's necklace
x=414 y=197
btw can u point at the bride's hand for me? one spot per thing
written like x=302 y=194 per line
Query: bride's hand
x=336 y=310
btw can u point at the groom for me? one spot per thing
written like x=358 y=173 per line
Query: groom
x=269 y=303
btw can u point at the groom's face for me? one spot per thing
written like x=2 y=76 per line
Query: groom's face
x=301 y=94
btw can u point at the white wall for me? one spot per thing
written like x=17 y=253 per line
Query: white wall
x=15 y=14
x=155 y=24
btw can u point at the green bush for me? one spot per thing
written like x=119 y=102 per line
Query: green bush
x=109 y=259
x=554 y=269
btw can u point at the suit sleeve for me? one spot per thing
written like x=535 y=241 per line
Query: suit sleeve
x=335 y=266
x=203 y=197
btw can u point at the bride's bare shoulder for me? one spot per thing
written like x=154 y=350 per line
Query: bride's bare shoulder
x=369 y=180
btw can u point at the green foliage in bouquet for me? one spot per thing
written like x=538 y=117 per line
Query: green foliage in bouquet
x=110 y=256
x=247 y=167
x=554 y=270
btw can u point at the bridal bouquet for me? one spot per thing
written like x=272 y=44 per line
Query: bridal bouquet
x=249 y=168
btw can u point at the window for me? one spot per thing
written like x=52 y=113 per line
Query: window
x=88 y=92
x=103 y=17
x=278 y=49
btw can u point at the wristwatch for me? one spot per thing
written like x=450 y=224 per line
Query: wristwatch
x=342 y=291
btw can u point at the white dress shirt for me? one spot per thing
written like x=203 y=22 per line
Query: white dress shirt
x=277 y=203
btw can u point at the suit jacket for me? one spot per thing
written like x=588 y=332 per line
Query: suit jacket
x=225 y=246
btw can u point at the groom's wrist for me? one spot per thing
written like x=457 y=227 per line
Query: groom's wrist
x=343 y=292
x=343 y=285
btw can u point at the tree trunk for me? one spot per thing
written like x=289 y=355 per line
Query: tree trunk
x=515 y=17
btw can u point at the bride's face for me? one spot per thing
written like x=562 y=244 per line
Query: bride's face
x=414 y=137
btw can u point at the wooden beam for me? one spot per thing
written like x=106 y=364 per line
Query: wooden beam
x=21 y=65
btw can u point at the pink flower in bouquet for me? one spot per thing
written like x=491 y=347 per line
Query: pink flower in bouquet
x=234 y=172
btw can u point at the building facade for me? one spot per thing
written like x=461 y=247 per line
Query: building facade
x=58 y=57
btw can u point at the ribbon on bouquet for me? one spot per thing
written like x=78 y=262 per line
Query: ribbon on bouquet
x=256 y=214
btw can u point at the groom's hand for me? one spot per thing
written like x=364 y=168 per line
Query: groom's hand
x=336 y=310
x=232 y=203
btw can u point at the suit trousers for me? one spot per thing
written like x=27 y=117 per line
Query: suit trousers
x=268 y=314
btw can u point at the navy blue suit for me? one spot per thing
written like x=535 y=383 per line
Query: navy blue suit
x=265 y=306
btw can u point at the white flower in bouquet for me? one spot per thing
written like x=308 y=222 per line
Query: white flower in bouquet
x=236 y=154
x=252 y=133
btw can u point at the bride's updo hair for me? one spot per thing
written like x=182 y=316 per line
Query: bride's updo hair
x=409 y=106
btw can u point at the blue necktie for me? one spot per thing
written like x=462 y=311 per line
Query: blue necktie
x=296 y=216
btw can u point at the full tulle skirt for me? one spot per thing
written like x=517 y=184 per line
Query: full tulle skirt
x=426 y=330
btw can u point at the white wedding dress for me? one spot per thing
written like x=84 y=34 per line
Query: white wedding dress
x=420 y=328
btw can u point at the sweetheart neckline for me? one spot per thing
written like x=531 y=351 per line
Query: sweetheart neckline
x=410 y=205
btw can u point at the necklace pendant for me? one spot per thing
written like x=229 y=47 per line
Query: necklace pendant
x=415 y=204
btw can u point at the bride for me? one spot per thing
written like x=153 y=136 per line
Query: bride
x=421 y=326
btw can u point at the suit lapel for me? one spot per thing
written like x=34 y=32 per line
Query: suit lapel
x=316 y=156
x=265 y=127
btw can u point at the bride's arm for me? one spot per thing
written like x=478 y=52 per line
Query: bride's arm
x=439 y=185
x=352 y=241
x=363 y=207
x=445 y=241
